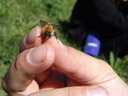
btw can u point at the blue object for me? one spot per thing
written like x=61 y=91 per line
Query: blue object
x=92 y=44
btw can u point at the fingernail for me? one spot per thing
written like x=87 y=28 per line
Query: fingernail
x=38 y=54
x=96 y=91
x=35 y=32
x=61 y=44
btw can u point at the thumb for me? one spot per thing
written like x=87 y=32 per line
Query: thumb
x=27 y=65
x=71 y=91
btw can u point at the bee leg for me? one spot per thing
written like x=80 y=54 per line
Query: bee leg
x=41 y=35
x=55 y=35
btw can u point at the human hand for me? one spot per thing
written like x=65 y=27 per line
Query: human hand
x=42 y=66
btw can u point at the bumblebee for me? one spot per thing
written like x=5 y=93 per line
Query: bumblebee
x=48 y=29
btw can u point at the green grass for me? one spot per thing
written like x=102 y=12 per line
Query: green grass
x=18 y=17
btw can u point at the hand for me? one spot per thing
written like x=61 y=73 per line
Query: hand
x=39 y=70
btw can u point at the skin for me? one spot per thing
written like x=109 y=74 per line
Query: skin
x=53 y=68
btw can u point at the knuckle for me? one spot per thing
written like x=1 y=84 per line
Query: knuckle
x=4 y=85
x=22 y=44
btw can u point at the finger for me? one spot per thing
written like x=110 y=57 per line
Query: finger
x=74 y=91
x=32 y=39
x=71 y=82
x=27 y=64
x=55 y=80
x=42 y=76
x=86 y=69
x=79 y=66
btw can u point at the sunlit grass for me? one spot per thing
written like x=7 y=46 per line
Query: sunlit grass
x=18 y=17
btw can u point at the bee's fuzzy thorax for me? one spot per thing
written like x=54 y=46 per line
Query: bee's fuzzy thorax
x=49 y=28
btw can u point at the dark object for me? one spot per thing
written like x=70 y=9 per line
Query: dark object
x=108 y=20
x=47 y=34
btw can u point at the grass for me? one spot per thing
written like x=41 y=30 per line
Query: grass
x=18 y=17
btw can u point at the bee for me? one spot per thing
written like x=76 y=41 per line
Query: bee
x=48 y=29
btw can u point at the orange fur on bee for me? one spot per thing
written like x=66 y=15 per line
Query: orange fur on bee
x=48 y=28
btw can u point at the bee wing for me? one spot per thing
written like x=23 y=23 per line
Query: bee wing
x=57 y=26
x=54 y=25
x=43 y=23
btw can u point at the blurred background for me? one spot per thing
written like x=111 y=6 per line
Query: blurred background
x=18 y=17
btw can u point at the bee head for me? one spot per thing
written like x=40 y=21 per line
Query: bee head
x=47 y=34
